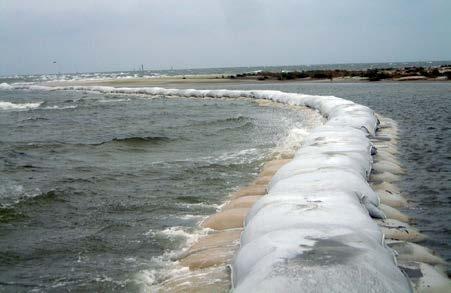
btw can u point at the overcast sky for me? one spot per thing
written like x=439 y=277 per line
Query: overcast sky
x=105 y=35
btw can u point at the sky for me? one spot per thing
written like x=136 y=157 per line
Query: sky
x=110 y=35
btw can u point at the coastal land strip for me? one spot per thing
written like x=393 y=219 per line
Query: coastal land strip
x=406 y=74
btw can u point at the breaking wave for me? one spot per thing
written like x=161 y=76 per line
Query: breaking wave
x=19 y=106
x=60 y=107
x=13 y=194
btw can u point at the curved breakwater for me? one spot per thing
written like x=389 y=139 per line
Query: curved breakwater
x=312 y=226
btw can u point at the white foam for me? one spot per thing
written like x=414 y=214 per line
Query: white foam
x=60 y=107
x=5 y=86
x=18 y=106
x=163 y=266
x=182 y=233
x=191 y=217
x=240 y=157
x=113 y=100
x=292 y=141
x=11 y=194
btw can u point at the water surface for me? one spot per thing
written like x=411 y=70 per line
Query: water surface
x=98 y=192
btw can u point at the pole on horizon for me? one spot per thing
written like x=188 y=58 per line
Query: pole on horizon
x=57 y=71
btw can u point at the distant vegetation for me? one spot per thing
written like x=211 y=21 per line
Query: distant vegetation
x=406 y=73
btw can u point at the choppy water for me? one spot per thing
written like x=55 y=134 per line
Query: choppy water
x=97 y=192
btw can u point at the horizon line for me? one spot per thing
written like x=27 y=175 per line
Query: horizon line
x=228 y=67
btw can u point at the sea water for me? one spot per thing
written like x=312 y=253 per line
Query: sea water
x=101 y=191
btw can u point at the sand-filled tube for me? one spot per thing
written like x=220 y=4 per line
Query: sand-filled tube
x=313 y=229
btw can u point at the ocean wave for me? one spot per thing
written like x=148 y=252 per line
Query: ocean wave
x=163 y=266
x=223 y=121
x=223 y=160
x=35 y=119
x=140 y=140
x=245 y=156
x=243 y=126
x=5 y=86
x=290 y=143
x=12 y=194
x=19 y=106
x=55 y=107
x=237 y=119
x=190 y=217
x=180 y=233
x=133 y=140
x=8 y=106
x=12 y=206
x=113 y=100
x=8 y=214
x=234 y=119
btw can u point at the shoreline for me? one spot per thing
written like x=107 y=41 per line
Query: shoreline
x=385 y=169
x=209 y=258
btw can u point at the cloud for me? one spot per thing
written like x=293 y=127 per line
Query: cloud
x=99 y=35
